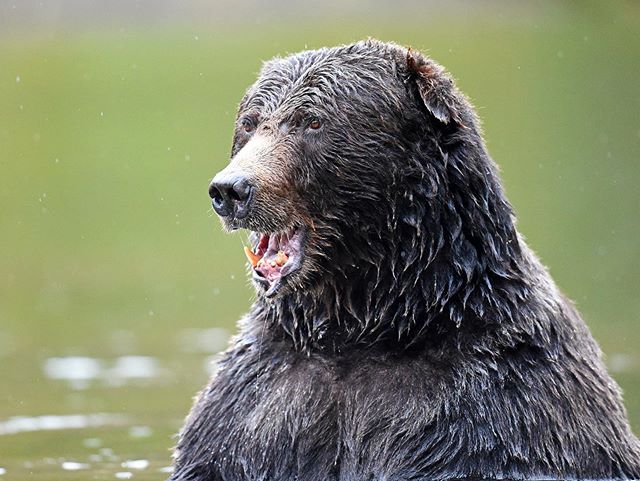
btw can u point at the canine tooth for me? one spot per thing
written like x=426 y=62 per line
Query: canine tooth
x=253 y=258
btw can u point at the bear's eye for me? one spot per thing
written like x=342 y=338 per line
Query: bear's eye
x=315 y=124
x=247 y=125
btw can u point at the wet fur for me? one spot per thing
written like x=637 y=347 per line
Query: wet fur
x=423 y=339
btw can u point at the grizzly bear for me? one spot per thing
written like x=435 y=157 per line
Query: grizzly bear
x=402 y=329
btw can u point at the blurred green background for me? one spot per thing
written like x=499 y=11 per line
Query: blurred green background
x=117 y=284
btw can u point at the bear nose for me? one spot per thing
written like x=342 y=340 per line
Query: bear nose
x=231 y=194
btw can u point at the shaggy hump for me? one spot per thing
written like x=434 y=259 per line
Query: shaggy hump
x=402 y=329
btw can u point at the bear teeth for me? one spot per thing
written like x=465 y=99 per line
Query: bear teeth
x=276 y=254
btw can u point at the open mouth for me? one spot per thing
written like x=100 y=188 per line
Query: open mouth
x=276 y=256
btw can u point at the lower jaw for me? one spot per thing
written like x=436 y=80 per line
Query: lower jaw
x=270 y=288
x=269 y=282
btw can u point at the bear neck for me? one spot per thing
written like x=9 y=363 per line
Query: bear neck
x=448 y=262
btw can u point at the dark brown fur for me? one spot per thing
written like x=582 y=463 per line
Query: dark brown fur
x=421 y=339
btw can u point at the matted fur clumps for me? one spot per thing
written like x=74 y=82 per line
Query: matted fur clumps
x=418 y=337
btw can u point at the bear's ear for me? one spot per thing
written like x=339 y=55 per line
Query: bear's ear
x=435 y=87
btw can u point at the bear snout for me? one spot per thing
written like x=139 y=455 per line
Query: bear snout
x=231 y=194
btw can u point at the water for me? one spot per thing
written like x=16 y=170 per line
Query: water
x=131 y=438
x=117 y=286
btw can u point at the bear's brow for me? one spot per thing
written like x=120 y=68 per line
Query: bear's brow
x=285 y=79
x=304 y=83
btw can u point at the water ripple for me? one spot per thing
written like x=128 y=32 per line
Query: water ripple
x=22 y=424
